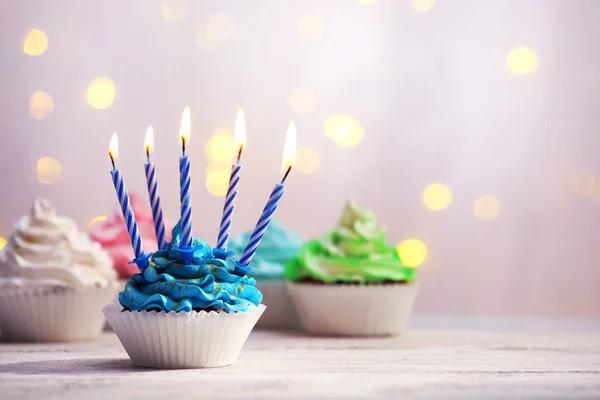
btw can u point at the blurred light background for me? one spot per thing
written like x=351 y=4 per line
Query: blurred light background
x=470 y=127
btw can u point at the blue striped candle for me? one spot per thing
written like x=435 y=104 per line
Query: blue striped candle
x=185 y=183
x=151 y=180
x=229 y=206
x=261 y=225
x=239 y=143
x=117 y=178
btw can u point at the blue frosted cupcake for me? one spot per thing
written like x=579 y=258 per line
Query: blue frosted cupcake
x=165 y=311
x=277 y=247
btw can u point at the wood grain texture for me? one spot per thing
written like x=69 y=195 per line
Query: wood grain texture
x=429 y=363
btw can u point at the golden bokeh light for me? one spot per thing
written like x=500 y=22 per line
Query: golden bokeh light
x=307 y=160
x=101 y=92
x=486 y=207
x=2 y=242
x=302 y=101
x=437 y=196
x=206 y=42
x=174 y=10
x=412 y=252
x=48 y=170
x=522 y=60
x=344 y=129
x=217 y=181
x=422 y=5
x=35 y=43
x=215 y=165
x=311 y=26
x=219 y=147
x=221 y=26
x=40 y=105
x=368 y=2
x=583 y=182
x=100 y=218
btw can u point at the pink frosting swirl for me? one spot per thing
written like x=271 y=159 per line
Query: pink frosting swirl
x=113 y=236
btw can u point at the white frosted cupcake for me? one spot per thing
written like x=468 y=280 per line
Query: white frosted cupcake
x=351 y=282
x=53 y=280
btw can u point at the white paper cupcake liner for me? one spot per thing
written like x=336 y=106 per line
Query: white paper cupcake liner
x=280 y=313
x=122 y=283
x=182 y=340
x=353 y=310
x=53 y=315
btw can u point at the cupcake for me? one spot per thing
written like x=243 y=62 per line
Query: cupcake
x=194 y=314
x=113 y=236
x=277 y=247
x=54 y=281
x=351 y=282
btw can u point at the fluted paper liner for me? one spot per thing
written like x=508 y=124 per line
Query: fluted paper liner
x=53 y=315
x=353 y=310
x=280 y=313
x=171 y=340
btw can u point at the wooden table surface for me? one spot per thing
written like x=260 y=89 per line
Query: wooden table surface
x=440 y=357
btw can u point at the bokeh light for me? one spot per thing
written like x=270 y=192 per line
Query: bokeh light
x=219 y=147
x=437 y=196
x=583 y=182
x=307 y=160
x=35 y=43
x=422 y=5
x=344 y=129
x=302 y=101
x=221 y=26
x=412 y=252
x=48 y=170
x=206 y=42
x=311 y=26
x=2 y=242
x=100 y=218
x=522 y=60
x=101 y=92
x=486 y=207
x=217 y=181
x=174 y=10
x=40 y=105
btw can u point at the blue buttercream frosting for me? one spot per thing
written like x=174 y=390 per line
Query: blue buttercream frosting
x=206 y=281
x=277 y=247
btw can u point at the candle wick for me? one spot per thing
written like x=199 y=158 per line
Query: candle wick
x=240 y=154
x=286 y=174
x=183 y=145
x=147 y=154
x=112 y=160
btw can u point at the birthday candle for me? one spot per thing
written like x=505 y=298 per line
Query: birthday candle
x=151 y=180
x=239 y=144
x=185 y=183
x=289 y=158
x=117 y=178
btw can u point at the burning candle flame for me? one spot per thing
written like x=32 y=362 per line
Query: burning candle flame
x=289 y=149
x=113 y=148
x=239 y=139
x=149 y=140
x=185 y=128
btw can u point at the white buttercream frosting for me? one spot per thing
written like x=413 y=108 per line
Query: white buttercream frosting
x=47 y=250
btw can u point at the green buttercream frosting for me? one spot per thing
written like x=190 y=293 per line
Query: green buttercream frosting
x=355 y=251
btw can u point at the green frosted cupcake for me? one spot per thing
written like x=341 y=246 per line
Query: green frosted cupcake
x=351 y=282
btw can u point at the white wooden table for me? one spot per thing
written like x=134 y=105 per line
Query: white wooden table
x=439 y=358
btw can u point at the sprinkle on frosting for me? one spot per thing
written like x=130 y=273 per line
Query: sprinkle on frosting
x=277 y=247
x=354 y=251
x=206 y=282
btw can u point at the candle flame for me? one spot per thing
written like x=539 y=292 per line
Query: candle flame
x=149 y=140
x=239 y=139
x=289 y=149
x=113 y=148
x=185 y=127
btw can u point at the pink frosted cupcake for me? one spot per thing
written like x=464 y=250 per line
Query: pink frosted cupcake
x=113 y=236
